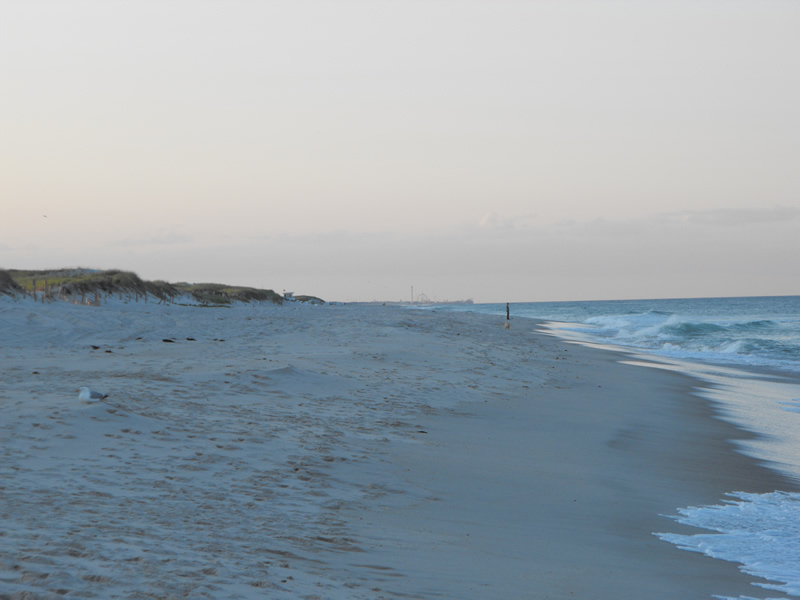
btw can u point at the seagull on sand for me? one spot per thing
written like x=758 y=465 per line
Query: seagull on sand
x=87 y=395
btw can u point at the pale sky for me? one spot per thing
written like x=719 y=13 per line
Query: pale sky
x=487 y=149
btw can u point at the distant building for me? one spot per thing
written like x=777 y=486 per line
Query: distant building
x=288 y=296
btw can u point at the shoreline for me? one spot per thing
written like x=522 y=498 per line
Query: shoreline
x=695 y=364
x=734 y=390
x=352 y=452
x=578 y=505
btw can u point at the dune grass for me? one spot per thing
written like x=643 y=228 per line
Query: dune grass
x=8 y=286
x=219 y=293
x=71 y=283
x=309 y=299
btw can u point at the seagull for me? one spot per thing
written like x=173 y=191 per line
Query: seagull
x=86 y=395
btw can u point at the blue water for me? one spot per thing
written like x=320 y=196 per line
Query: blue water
x=747 y=351
x=746 y=332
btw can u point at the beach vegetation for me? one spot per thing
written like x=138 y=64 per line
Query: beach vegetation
x=8 y=286
x=309 y=299
x=218 y=293
x=80 y=284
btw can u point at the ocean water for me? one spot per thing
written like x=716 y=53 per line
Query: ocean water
x=747 y=351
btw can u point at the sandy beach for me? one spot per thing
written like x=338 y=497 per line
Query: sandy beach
x=359 y=452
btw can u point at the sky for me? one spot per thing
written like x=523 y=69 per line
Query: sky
x=496 y=150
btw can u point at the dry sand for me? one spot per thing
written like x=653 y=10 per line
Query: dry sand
x=347 y=452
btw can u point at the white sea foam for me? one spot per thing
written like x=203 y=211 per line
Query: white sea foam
x=705 y=338
x=733 y=347
x=759 y=531
x=760 y=332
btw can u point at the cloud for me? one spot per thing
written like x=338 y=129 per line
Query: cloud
x=154 y=239
x=687 y=253
x=495 y=221
x=727 y=217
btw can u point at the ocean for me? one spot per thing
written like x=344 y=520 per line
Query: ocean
x=747 y=351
